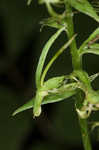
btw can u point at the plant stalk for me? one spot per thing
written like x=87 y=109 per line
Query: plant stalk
x=77 y=65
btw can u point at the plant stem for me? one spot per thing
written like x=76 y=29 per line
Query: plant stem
x=51 y=11
x=85 y=134
x=76 y=61
x=77 y=64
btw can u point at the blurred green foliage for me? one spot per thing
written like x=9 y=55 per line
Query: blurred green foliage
x=20 y=46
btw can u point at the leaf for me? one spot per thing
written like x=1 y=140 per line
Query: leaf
x=93 y=77
x=93 y=49
x=44 y=54
x=24 y=107
x=58 y=53
x=64 y=93
x=94 y=46
x=53 y=83
x=85 y=7
x=55 y=22
x=84 y=46
x=96 y=5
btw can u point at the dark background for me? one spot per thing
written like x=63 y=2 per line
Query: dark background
x=21 y=43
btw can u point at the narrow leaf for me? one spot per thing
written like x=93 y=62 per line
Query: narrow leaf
x=24 y=107
x=58 y=53
x=85 y=7
x=55 y=22
x=92 y=51
x=93 y=77
x=64 y=93
x=85 y=44
x=44 y=54
x=94 y=46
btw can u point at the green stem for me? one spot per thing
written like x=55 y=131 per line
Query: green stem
x=85 y=134
x=77 y=65
x=51 y=11
x=76 y=61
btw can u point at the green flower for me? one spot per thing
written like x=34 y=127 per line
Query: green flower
x=54 y=89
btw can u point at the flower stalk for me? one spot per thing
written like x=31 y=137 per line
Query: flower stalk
x=77 y=65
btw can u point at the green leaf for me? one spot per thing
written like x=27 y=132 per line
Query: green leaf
x=62 y=94
x=24 y=107
x=55 y=22
x=93 y=77
x=58 y=53
x=44 y=54
x=93 y=49
x=96 y=5
x=85 y=7
x=53 y=83
x=94 y=46
x=85 y=44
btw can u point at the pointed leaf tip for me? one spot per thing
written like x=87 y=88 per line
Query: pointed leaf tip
x=24 y=107
x=85 y=7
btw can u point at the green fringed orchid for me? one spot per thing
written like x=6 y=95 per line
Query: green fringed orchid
x=52 y=90
x=91 y=100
